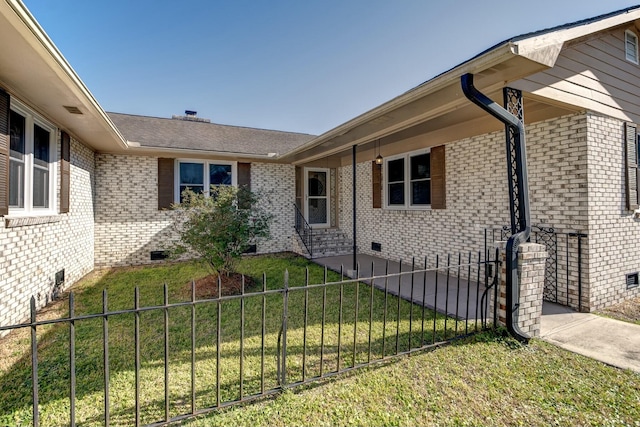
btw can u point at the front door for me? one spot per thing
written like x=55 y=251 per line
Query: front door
x=316 y=190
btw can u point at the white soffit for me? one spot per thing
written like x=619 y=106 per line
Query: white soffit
x=35 y=71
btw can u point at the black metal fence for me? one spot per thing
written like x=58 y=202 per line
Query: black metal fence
x=564 y=274
x=180 y=359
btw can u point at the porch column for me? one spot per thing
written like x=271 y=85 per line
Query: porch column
x=353 y=190
x=531 y=267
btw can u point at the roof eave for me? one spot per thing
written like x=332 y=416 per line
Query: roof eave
x=540 y=51
x=58 y=68
x=491 y=58
x=136 y=148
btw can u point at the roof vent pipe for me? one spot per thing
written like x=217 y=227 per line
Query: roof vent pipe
x=520 y=226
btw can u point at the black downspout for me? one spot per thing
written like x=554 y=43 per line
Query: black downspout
x=355 y=247
x=522 y=224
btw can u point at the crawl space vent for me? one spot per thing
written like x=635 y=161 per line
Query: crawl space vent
x=158 y=255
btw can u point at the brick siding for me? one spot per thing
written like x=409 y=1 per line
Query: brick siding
x=31 y=254
x=614 y=233
x=129 y=225
x=477 y=198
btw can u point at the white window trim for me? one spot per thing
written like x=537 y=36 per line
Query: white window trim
x=407 y=180
x=205 y=163
x=31 y=119
x=627 y=34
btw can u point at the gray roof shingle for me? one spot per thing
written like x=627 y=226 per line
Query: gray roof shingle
x=155 y=132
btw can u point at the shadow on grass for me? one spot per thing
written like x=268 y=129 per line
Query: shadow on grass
x=336 y=337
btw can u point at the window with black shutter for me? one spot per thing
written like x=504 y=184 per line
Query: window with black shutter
x=631 y=169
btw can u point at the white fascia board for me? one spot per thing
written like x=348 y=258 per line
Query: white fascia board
x=56 y=60
x=137 y=148
x=545 y=48
x=475 y=65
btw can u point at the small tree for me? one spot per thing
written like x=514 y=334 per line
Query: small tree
x=219 y=228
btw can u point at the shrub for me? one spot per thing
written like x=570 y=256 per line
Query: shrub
x=221 y=226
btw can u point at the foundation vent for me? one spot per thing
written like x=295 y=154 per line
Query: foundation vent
x=632 y=280
x=159 y=255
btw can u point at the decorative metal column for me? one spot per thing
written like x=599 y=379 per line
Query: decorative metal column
x=513 y=104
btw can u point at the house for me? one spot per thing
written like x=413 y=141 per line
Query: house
x=81 y=188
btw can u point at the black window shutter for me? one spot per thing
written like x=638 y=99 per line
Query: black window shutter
x=438 y=177
x=244 y=181
x=631 y=158
x=165 y=183
x=65 y=172
x=376 y=181
x=4 y=152
x=244 y=175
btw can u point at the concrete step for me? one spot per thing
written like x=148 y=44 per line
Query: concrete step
x=333 y=244
x=330 y=242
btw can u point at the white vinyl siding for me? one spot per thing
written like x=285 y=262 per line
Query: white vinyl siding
x=594 y=75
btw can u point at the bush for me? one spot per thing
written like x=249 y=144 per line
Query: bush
x=221 y=226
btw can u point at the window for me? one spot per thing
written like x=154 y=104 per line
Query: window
x=31 y=159
x=632 y=145
x=408 y=181
x=631 y=46
x=200 y=175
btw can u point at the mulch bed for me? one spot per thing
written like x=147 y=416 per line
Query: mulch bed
x=207 y=287
x=628 y=311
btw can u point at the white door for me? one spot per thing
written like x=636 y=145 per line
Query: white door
x=316 y=190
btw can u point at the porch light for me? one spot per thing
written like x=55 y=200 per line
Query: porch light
x=379 y=158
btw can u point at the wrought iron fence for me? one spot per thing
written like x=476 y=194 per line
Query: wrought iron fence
x=563 y=270
x=229 y=349
x=304 y=230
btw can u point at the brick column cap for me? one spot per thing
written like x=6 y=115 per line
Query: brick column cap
x=533 y=250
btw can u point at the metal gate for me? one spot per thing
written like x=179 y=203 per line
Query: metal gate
x=563 y=270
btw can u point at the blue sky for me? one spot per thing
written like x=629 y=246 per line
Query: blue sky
x=296 y=65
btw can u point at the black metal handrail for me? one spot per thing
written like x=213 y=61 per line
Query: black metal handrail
x=304 y=230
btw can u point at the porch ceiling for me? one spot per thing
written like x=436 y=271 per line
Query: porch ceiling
x=470 y=121
x=439 y=115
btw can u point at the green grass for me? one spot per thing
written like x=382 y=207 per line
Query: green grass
x=483 y=380
x=304 y=348
x=487 y=379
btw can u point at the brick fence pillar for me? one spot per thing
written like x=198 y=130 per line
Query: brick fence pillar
x=531 y=269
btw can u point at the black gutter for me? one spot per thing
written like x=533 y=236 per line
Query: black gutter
x=520 y=225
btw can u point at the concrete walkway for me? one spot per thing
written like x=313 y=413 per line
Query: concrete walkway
x=445 y=295
x=610 y=341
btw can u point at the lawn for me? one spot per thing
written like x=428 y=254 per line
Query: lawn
x=486 y=379
x=227 y=368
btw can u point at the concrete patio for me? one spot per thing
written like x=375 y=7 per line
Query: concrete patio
x=458 y=298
